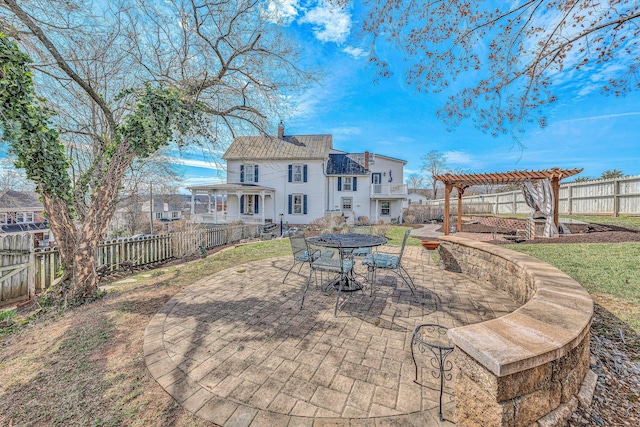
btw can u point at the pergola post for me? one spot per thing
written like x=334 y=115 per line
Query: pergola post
x=447 y=196
x=555 y=184
x=460 y=193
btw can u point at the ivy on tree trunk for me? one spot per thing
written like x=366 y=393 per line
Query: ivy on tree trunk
x=27 y=128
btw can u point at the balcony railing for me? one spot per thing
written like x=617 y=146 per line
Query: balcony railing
x=388 y=190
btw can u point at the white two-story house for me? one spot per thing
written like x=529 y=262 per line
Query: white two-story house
x=298 y=178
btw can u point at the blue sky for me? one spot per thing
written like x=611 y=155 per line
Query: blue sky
x=585 y=128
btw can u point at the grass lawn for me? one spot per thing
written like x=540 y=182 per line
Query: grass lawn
x=630 y=222
x=396 y=234
x=609 y=271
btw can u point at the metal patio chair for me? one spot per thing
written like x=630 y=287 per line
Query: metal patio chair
x=300 y=253
x=339 y=268
x=359 y=252
x=389 y=261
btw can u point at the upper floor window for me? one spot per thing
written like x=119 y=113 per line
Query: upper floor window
x=175 y=214
x=347 y=183
x=297 y=173
x=298 y=204
x=158 y=215
x=24 y=217
x=248 y=173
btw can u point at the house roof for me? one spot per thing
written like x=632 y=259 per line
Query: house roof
x=273 y=148
x=19 y=200
x=346 y=164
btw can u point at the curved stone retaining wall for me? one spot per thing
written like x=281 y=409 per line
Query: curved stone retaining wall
x=525 y=368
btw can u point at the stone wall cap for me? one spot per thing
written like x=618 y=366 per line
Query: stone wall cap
x=545 y=328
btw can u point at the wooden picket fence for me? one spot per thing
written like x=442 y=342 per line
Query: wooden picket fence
x=620 y=196
x=26 y=270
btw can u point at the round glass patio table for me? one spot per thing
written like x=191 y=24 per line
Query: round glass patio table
x=348 y=241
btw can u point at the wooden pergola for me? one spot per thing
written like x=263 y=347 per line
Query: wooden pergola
x=463 y=181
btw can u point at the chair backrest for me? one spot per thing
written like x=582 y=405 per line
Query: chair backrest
x=404 y=243
x=329 y=261
x=298 y=244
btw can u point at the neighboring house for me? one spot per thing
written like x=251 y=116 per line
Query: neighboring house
x=22 y=212
x=414 y=198
x=162 y=211
x=298 y=178
x=132 y=217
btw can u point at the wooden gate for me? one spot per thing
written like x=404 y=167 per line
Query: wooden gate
x=16 y=252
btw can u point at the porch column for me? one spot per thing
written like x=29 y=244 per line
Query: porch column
x=377 y=210
x=262 y=197
x=215 y=206
x=209 y=205
x=447 y=195
x=193 y=203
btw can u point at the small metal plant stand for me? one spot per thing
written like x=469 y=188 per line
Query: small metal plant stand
x=433 y=337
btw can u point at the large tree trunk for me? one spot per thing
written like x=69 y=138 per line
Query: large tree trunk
x=78 y=241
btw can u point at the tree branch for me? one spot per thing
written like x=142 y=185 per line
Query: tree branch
x=37 y=31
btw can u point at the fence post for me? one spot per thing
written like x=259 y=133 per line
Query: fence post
x=31 y=272
x=616 y=199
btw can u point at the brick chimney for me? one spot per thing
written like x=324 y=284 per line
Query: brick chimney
x=366 y=160
x=280 y=130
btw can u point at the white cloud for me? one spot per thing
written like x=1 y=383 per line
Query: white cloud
x=356 y=52
x=203 y=180
x=203 y=164
x=282 y=11
x=331 y=23
x=459 y=158
x=602 y=117
x=346 y=131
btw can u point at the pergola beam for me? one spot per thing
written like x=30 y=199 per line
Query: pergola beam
x=463 y=181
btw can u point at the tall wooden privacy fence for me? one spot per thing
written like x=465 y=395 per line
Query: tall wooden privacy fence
x=26 y=270
x=613 y=197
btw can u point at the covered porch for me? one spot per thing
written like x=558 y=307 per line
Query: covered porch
x=249 y=203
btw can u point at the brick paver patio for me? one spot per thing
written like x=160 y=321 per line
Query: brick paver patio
x=236 y=350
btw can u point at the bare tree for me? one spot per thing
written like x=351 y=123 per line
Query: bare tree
x=415 y=181
x=503 y=58
x=126 y=79
x=434 y=163
x=12 y=178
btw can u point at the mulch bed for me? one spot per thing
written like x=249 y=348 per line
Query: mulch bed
x=597 y=233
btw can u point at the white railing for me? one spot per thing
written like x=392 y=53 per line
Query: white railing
x=223 y=218
x=387 y=190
